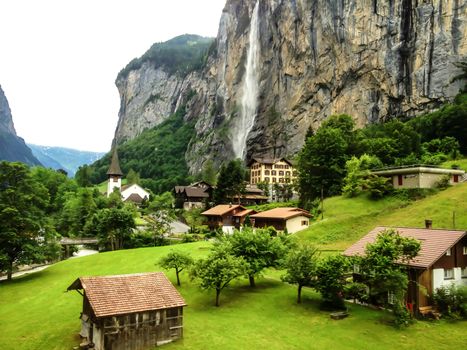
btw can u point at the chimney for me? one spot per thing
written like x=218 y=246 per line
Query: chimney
x=428 y=224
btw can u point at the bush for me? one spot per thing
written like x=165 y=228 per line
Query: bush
x=451 y=301
x=444 y=182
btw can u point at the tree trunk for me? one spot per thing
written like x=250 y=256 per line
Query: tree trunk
x=299 y=294
x=9 y=271
x=178 y=278
x=251 y=278
x=218 y=293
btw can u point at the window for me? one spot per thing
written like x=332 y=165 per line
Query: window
x=448 y=274
x=304 y=223
x=287 y=173
x=286 y=166
x=281 y=180
x=448 y=252
x=391 y=298
x=266 y=172
x=464 y=250
x=273 y=172
x=266 y=179
x=287 y=180
x=273 y=179
x=281 y=173
x=464 y=272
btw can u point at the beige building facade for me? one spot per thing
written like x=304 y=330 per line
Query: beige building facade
x=271 y=171
x=420 y=176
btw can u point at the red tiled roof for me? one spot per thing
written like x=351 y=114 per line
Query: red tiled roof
x=434 y=243
x=222 y=209
x=125 y=294
x=282 y=213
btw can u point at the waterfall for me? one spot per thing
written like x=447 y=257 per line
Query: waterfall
x=249 y=101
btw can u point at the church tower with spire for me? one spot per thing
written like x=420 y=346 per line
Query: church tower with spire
x=114 y=173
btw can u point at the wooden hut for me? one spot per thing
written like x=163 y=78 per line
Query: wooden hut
x=129 y=312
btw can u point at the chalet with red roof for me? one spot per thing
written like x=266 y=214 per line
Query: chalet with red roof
x=227 y=216
x=137 y=311
x=442 y=260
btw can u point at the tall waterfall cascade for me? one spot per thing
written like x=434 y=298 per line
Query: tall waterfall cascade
x=249 y=101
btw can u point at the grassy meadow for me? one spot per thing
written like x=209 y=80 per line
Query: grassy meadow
x=37 y=313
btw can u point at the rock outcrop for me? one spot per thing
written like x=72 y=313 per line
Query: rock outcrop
x=12 y=147
x=371 y=59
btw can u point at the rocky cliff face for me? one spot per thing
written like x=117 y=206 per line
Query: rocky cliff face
x=12 y=147
x=371 y=59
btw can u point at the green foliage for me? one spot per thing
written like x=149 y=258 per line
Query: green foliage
x=451 y=300
x=378 y=186
x=230 y=182
x=218 y=270
x=358 y=170
x=193 y=218
x=383 y=270
x=182 y=55
x=26 y=235
x=257 y=248
x=84 y=175
x=133 y=178
x=158 y=155
x=444 y=182
x=264 y=186
x=78 y=208
x=112 y=225
x=330 y=280
x=209 y=174
x=177 y=260
x=300 y=265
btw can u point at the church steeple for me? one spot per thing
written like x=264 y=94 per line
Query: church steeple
x=115 y=173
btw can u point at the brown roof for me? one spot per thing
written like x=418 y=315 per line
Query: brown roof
x=245 y=213
x=196 y=192
x=434 y=243
x=221 y=209
x=135 y=198
x=114 y=168
x=125 y=294
x=282 y=213
x=269 y=160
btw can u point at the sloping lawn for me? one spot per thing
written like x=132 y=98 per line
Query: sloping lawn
x=36 y=313
x=347 y=219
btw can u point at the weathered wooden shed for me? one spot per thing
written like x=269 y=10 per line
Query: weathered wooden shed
x=129 y=312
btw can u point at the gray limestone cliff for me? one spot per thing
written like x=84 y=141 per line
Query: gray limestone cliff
x=371 y=59
x=12 y=147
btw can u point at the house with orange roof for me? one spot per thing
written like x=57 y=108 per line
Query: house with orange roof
x=290 y=219
x=442 y=260
x=136 y=311
x=227 y=216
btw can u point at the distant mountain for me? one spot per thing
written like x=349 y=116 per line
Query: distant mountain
x=12 y=147
x=64 y=158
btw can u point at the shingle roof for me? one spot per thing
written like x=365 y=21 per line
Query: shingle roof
x=125 y=294
x=221 y=209
x=434 y=243
x=114 y=168
x=135 y=198
x=245 y=213
x=282 y=213
x=196 y=192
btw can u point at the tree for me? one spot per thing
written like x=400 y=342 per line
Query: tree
x=358 y=169
x=330 y=279
x=209 y=174
x=176 y=260
x=112 y=225
x=321 y=164
x=301 y=264
x=77 y=210
x=230 y=183
x=84 y=176
x=133 y=177
x=384 y=271
x=218 y=270
x=257 y=248
x=25 y=236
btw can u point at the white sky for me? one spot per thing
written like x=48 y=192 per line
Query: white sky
x=59 y=60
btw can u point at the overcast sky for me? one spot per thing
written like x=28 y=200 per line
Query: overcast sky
x=59 y=60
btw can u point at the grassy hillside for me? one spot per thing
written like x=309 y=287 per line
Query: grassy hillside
x=348 y=219
x=36 y=313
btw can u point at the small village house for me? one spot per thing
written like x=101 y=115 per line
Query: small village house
x=129 y=312
x=193 y=196
x=131 y=192
x=271 y=171
x=419 y=176
x=226 y=216
x=292 y=219
x=251 y=196
x=442 y=261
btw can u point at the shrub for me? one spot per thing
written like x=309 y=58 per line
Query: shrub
x=451 y=301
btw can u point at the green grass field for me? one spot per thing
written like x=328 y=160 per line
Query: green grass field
x=37 y=313
x=348 y=219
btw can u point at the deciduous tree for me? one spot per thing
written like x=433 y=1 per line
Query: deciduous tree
x=177 y=260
